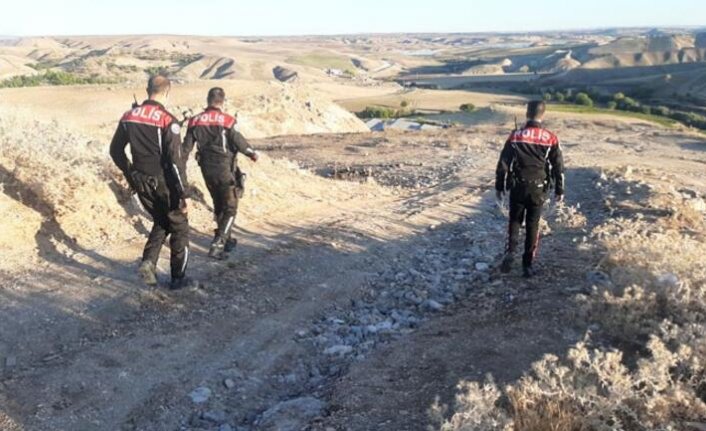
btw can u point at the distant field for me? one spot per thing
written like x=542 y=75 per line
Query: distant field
x=323 y=60
x=576 y=109
x=430 y=100
x=456 y=82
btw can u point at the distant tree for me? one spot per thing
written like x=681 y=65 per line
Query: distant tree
x=629 y=104
x=52 y=77
x=378 y=112
x=618 y=97
x=156 y=70
x=584 y=100
x=646 y=109
x=467 y=107
x=612 y=105
x=661 y=110
x=547 y=97
x=559 y=96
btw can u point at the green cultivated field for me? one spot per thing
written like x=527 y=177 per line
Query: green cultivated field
x=577 y=109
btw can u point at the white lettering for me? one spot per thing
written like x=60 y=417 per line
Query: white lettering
x=147 y=113
x=212 y=117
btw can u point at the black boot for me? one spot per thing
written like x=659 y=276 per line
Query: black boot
x=217 y=250
x=231 y=243
x=148 y=273
x=506 y=265
x=528 y=271
x=183 y=283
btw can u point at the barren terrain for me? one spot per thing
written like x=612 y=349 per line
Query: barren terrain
x=349 y=305
x=364 y=293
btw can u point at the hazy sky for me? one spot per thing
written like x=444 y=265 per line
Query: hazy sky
x=290 y=17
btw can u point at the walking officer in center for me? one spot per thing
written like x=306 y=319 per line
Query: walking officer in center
x=531 y=163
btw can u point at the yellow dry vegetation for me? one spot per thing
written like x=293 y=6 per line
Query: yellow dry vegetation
x=656 y=298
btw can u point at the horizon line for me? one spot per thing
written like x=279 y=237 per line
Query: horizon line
x=390 y=33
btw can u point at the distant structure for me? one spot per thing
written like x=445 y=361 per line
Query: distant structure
x=378 y=125
x=335 y=72
x=285 y=75
x=421 y=85
x=700 y=40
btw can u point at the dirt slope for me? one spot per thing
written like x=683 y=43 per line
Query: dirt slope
x=266 y=108
x=12 y=65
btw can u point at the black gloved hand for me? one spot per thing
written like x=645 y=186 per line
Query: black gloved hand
x=142 y=183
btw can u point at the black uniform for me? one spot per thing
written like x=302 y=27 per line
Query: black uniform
x=156 y=174
x=530 y=161
x=218 y=142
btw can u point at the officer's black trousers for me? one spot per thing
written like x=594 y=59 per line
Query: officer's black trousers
x=221 y=186
x=168 y=220
x=526 y=202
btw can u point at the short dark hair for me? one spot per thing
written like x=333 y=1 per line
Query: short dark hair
x=158 y=84
x=216 y=96
x=536 y=109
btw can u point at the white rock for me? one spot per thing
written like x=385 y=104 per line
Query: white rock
x=482 y=266
x=200 y=395
x=340 y=350
x=598 y=278
x=668 y=280
x=698 y=204
x=385 y=325
x=433 y=305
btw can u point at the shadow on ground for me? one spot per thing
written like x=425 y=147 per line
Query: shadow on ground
x=501 y=329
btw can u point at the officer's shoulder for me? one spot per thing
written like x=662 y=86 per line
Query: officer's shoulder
x=195 y=119
x=127 y=113
x=554 y=137
x=169 y=117
x=229 y=120
x=169 y=121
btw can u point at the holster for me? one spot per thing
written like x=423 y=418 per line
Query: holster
x=239 y=179
x=514 y=181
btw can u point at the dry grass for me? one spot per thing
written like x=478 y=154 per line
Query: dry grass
x=7 y=424
x=655 y=304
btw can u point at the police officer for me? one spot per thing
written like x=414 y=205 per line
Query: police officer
x=156 y=173
x=530 y=162
x=218 y=141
